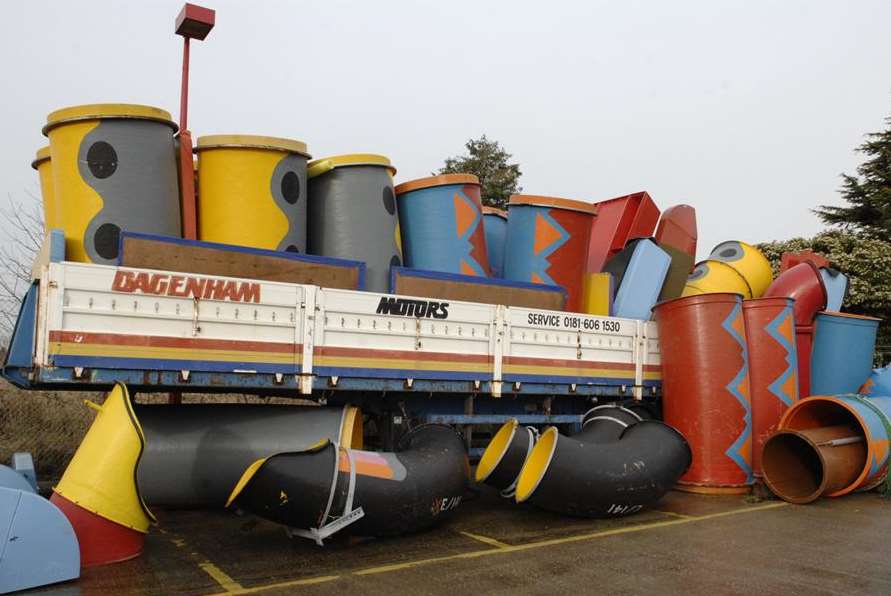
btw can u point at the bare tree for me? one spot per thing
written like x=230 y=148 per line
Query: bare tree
x=22 y=235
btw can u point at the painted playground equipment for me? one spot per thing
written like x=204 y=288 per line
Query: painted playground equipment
x=575 y=347
x=253 y=191
x=352 y=213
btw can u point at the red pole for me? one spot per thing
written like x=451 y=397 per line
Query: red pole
x=184 y=93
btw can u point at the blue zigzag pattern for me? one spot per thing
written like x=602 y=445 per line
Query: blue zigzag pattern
x=773 y=329
x=734 y=452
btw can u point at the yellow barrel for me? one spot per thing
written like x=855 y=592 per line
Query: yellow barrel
x=714 y=277
x=101 y=476
x=52 y=216
x=253 y=191
x=748 y=262
x=114 y=169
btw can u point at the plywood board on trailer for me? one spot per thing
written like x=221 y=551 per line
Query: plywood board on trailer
x=144 y=251
x=448 y=286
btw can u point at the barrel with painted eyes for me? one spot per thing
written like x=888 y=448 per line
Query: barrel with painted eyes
x=113 y=169
x=713 y=277
x=253 y=191
x=52 y=217
x=748 y=262
x=352 y=214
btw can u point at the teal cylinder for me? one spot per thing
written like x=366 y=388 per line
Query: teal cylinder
x=495 y=223
x=841 y=360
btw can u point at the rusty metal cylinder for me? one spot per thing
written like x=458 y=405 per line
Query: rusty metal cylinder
x=705 y=384
x=867 y=416
x=802 y=465
x=773 y=366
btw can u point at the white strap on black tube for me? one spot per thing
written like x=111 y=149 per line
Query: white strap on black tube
x=509 y=492
x=350 y=515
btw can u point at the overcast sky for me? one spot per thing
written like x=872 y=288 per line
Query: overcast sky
x=747 y=110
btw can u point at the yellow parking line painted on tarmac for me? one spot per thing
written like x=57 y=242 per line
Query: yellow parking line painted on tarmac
x=486 y=540
x=219 y=576
x=678 y=521
x=673 y=514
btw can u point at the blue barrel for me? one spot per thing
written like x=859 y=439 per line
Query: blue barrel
x=441 y=220
x=495 y=223
x=841 y=359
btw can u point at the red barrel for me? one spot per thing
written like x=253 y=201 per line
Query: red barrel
x=773 y=366
x=803 y=284
x=705 y=385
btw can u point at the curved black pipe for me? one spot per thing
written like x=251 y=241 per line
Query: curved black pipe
x=508 y=450
x=583 y=476
x=399 y=492
x=195 y=453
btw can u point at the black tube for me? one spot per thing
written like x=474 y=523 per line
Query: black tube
x=196 y=453
x=503 y=458
x=400 y=492
x=572 y=476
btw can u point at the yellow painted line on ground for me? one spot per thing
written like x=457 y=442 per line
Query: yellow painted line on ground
x=227 y=583
x=673 y=514
x=486 y=540
x=509 y=549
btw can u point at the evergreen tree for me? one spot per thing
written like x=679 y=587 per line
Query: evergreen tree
x=488 y=161
x=869 y=193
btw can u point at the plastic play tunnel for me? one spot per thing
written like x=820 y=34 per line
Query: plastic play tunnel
x=441 y=219
x=329 y=488
x=52 y=209
x=611 y=468
x=352 y=214
x=195 y=453
x=829 y=445
x=547 y=243
x=705 y=385
x=113 y=169
x=253 y=191
x=98 y=491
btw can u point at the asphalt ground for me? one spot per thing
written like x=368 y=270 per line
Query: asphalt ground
x=688 y=544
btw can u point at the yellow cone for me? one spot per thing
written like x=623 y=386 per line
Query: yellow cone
x=101 y=477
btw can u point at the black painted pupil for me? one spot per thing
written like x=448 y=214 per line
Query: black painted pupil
x=395 y=261
x=389 y=200
x=102 y=159
x=291 y=187
x=106 y=240
x=292 y=248
x=728 y=252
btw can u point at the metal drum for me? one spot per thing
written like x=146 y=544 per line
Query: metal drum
x=52 y=214
x=352 y=213
x=773 y=366
x=547 y=242
x=253 y=191
x=113 y=168
x=705 y=384
x=495 y=223
x=841 y=360
x=442 y=224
